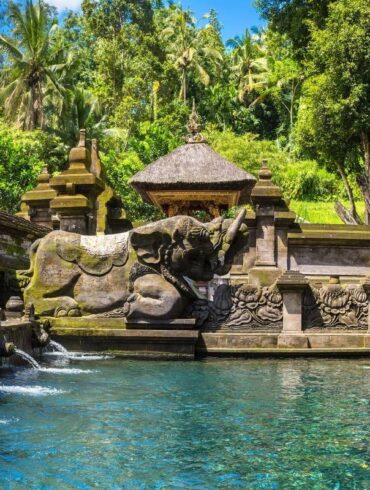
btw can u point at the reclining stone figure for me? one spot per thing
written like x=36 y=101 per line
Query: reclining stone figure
x=140 y=274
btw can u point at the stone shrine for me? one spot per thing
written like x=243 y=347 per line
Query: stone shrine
x=78 y=199
x=194 y=179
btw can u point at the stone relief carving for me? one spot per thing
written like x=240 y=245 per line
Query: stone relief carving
x=335 y=307
x=140 y=274
x=241 y=307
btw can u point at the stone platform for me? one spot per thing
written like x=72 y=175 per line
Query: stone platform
x=180 y=338
x=176 y=338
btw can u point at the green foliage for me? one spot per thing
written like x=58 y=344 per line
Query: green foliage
x=297 y=179
x=293 y=17
x=305 y=180
x=119 y=169
x=23 y=154
x=157 y=138
x=296 y=93
x=320 y=212
x=246 y=150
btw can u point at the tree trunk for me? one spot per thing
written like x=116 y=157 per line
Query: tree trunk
x=344 y=214
x=40 y=106
x=353 y=211
x=33 y=118
x=184 y=86
x=364 y=181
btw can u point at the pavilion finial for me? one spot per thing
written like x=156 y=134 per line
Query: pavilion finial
x=193 y=126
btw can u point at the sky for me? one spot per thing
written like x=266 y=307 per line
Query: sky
x=235 y=15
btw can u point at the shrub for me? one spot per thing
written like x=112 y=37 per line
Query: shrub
x=120 y=167
x=23 y=154
x=298 y=179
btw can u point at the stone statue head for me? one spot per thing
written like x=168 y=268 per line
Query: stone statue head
x=190 y=248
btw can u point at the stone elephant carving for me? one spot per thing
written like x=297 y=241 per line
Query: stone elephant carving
x=140 y=274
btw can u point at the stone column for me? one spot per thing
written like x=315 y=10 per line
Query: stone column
x=292 y=285
x=266 y=199
x=265 y=238
x=366 y=286
x=283 y=221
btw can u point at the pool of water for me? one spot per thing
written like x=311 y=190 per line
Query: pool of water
x=212 y=424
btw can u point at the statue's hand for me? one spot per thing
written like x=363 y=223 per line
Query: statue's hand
x=127 y=306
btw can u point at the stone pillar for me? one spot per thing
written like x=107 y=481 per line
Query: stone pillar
x=273 y=219
x=266 y=197
x=265 y=237
x=292 y=285
x=283 y=221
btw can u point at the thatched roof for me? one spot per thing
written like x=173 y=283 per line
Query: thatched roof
x=189 y=167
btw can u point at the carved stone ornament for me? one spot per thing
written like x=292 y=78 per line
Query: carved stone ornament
x=241 y=307
x=335 y=307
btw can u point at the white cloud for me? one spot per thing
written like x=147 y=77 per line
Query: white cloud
x=65 y=4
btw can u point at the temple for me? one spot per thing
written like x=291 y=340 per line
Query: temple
x=277 y=286
x=194 y=180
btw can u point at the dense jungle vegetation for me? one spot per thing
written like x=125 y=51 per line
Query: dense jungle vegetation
x=296 y=93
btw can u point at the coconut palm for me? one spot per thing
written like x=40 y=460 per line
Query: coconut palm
x=77 y=109
x=186 y=48
x=249 y=65
x=29 y=65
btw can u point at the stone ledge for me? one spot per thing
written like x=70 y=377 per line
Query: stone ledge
x=286 y=341
x=136 y=342
x=101 y=323
x=275 y=344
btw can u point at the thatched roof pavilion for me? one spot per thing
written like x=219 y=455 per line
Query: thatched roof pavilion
x=194 y=178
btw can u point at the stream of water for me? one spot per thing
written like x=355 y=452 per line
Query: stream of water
x=28 y=358
x=212 y=424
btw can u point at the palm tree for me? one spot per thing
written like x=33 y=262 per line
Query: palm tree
x=249 y=65
x=186 y=48
x=29 y=66
x=78 y=109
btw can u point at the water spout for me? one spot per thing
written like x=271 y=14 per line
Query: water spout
x=7 y=349
x=28 y=358
x=57 y=347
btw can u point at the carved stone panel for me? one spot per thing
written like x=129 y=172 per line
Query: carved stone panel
x=241 y=308
x=335 y=307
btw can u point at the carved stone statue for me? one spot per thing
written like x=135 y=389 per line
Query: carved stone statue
x=143 y=273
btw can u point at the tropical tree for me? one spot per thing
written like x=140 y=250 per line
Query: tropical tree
x=294 y=18
x=29 y=67
x=186 y=48
x=249 y=65
x=340 y=56
x=285 y=79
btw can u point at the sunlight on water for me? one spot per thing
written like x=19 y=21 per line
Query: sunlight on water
x=214 y=424
x=30 y=390
x=52 y=370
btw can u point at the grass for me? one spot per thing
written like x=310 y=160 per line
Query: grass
x=321 y=212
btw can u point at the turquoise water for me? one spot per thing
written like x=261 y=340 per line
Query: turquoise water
x=214 y=424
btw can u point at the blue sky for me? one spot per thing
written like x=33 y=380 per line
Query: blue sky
x=234 y=15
